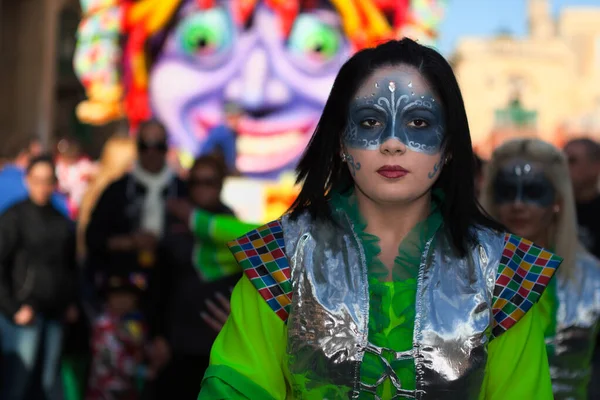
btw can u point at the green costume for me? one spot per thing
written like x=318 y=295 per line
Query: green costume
x=249 y=359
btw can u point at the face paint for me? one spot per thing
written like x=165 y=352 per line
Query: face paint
x=354 y=166
x=396 y=109
x=521 y=181
x=436 y=167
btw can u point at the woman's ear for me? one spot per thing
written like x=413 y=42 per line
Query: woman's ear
x=343 y=154
x=447 y=158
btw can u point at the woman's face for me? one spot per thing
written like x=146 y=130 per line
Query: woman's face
x=525 y=198
x=393 y=138
x=205 y=187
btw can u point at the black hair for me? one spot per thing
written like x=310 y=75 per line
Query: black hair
x=149 y=123
x=592 y=147
x=477 y=165
x=214 y=161
x=42 y=159
x=321 y=170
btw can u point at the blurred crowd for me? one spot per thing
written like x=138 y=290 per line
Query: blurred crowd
x=107 y=291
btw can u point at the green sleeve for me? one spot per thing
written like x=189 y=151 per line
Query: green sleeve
x=517 y=366
x=219 y=228
x=548 y=308
x=247 y=357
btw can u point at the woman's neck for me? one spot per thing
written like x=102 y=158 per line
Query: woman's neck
x=393 y=221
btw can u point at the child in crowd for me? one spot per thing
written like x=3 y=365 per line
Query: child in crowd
x=118 y=341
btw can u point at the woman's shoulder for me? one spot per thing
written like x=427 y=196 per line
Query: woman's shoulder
x=514 y=247
x=483 y=235
x=523 y=272
x=587 y=260
x=262 y=255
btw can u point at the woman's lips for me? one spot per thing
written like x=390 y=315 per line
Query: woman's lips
x=392 y=171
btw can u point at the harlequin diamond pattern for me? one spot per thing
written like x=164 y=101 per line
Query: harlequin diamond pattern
x=524 y=272
x=261 y=253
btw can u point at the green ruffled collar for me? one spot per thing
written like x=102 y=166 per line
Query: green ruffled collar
x=408 y=259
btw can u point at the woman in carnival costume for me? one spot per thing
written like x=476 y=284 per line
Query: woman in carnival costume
x=385 y=280
x=529 y=190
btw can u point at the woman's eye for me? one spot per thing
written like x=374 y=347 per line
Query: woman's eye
x=418 y=123
x=534 y=191
x=370 y=123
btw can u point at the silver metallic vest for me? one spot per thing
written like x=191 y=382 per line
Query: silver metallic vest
x=328 y=323
x=570 y=350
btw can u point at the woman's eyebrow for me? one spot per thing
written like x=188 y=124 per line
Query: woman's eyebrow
x=366 y=107
x=415 y=106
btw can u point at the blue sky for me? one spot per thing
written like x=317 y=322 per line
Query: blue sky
x=487 y=17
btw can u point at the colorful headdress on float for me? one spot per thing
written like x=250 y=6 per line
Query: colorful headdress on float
x=112 y=64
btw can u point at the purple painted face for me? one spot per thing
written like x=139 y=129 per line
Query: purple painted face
x=281 y=83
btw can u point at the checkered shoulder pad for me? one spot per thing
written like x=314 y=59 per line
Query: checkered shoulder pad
x=524 y=272
x=261 y=253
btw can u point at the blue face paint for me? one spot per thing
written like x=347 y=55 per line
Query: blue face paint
x=354 y=166
x=396 y=110
x=522 y=182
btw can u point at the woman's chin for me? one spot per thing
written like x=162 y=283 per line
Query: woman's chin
x=395 y=196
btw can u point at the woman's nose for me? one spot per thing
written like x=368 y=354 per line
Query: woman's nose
x=392 y=145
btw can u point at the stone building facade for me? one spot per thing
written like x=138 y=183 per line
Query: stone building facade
x=554 y=71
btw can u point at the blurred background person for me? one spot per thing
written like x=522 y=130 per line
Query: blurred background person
x=529 y=191
x=221 y=139
x=118 y=340
x=192 y=271
x=37 y=286
x=74 y=170
x=12 y=177
x=117 y=158
x=129 y=218
x=584 y=165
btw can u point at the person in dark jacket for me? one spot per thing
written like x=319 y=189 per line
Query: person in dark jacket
x=12 y=180
x=190 y=273
x=38 y=286
x=129 y=219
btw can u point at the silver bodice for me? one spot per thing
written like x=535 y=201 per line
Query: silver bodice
x=570 y=350
x=328 y=323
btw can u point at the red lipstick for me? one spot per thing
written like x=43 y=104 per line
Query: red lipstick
x=392 y=171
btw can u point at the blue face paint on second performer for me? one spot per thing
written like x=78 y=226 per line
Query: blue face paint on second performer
x=523 y=182
x=399 y=109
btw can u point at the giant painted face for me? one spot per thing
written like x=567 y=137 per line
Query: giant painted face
x=280 y=80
